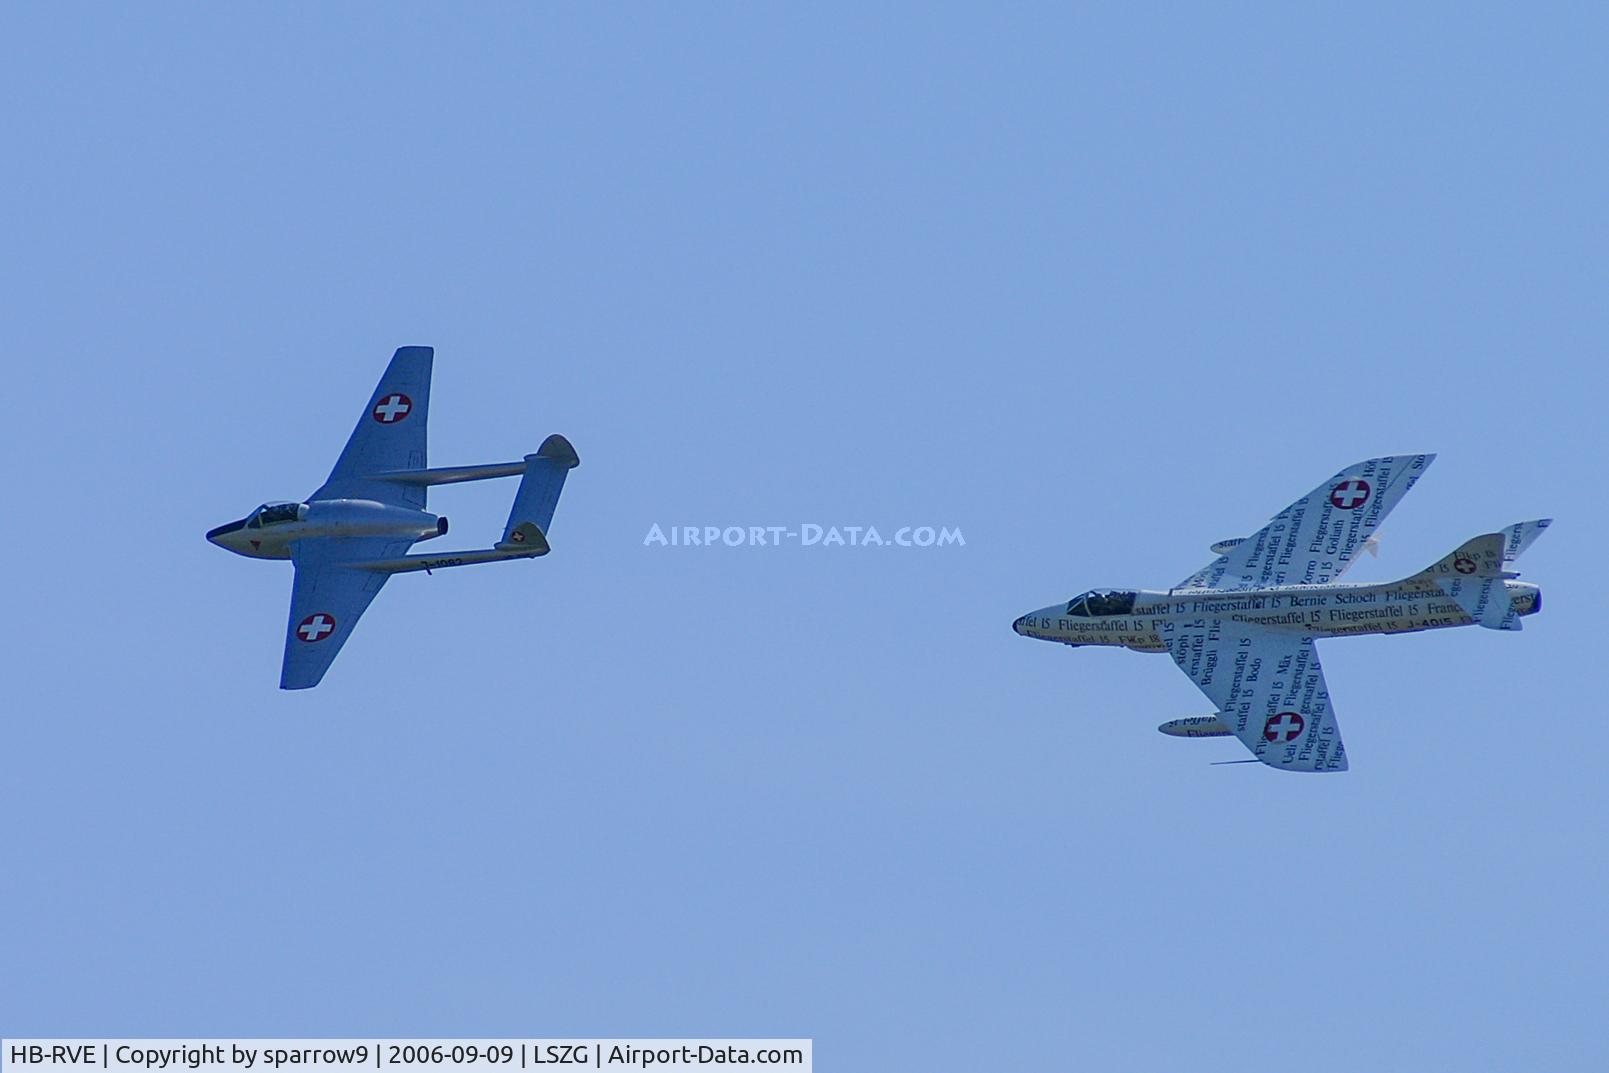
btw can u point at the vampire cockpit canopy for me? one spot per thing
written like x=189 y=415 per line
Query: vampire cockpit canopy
x=276 y=514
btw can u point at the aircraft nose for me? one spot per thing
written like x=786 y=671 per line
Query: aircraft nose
x=1016 y=627
x=223 y=530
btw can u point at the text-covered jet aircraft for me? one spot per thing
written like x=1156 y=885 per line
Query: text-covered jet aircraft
x=351 y=534
x=1243 y=627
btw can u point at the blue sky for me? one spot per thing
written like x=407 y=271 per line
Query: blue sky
x=1097 y=286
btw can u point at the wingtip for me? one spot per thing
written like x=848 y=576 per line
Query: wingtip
x=1424 y=460
x=289 y=683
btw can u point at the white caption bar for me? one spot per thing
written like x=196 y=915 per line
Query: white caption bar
x=419 y=1055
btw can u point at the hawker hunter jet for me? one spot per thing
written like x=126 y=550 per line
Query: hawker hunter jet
x=348 y=537
x=1243 y=627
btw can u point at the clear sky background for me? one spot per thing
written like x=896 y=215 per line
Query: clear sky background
x=1097 y=286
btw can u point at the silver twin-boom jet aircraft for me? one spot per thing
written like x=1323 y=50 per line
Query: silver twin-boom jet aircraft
x=350 y=536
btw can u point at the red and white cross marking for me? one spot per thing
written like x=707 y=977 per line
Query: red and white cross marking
x=1465 y=565
x=1283 y=727
x=1350 y=495
x=392 y=408
x=316 y=627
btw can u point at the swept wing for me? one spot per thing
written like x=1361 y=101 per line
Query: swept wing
x=1269 y=689
x=1315 y=539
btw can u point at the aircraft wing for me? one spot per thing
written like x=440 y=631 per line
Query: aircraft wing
x=390 y=435
x=327 y=599
x=1269 y=689
x=1314 y=540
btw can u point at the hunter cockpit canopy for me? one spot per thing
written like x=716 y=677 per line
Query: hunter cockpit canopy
x=1098 y=602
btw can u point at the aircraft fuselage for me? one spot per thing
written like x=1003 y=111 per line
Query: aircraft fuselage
x=1308 y=610
x=269 y=531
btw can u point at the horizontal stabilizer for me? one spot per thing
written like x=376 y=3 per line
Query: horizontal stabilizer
x=1472 y=577
x=1518 y=537
x=1486 y=600
x=538 y=494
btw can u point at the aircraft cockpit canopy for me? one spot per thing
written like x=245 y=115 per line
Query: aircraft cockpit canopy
x=1098 y=602
x=276 y=514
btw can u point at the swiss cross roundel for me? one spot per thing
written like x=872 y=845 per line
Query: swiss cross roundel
x=1285 y=726
x=1350 y=495
x=1464 y=565
x=316 y=627
x=392 y=408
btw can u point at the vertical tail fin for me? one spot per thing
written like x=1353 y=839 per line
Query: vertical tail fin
x=1472 y=577
x=1481 y=557
x=538 y=493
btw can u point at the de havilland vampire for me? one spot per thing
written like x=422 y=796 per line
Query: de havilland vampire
x=350 y=536
x=1243 y=627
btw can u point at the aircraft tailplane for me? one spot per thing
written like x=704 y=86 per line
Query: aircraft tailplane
x=1521 y=535
x=539 y=490
x=1472 y=576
